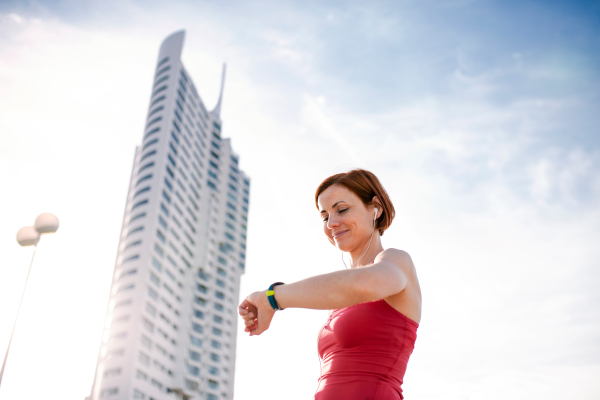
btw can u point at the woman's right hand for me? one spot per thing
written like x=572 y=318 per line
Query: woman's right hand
x=256 y=312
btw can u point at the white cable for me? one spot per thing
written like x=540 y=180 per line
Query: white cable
x=372 y=233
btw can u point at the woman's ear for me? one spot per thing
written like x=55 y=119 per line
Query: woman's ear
x=375 y=202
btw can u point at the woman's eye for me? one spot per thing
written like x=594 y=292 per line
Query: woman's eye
x=325 y=219
x=343 y=211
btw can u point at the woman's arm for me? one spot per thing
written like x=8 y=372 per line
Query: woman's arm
x=345 y=288
x=386 y=277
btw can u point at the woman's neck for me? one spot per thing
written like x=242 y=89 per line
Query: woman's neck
x=358 y=260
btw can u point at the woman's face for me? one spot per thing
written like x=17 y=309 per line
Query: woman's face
x=347 y=222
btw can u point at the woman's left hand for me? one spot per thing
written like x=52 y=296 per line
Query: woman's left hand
x=257 y=313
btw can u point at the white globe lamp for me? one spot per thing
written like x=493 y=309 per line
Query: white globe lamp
x=28 y=236
x=46 y=223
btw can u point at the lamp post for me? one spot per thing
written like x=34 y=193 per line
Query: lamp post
x=45 y=223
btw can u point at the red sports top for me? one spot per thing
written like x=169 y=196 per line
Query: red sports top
x=365 y=350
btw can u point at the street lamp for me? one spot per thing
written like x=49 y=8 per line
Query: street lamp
x=45 y=223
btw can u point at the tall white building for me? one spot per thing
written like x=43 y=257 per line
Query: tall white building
x=171 y=321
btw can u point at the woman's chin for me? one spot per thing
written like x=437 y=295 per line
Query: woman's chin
x=342 y=246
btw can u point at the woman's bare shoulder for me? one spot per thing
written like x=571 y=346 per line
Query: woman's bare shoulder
x=399 y=257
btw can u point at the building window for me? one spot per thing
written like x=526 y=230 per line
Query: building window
x=191 y=385
x=158 y=99
x=156 y=384
x=132 y=258
x=158 y=250
x=146 y=166
x=217 y=331
x=195 y=371
x=144 y=359
x=148 y=154
x=200 y=301
x=152 y=294
x=218 y=319
x=131 y=232
x=141 y=375
x=213 y=384
x=201 y=288
x=156 y=264
x=219 y=307
x=164 y=60
x=197 y=328
x=160 y=89
x=127 y=273
x=138 y=395
x=221 y=272
x=194 y=356
x=215 y=357
x=198 y=314
x=154 y=279
x=215 y=344
x=202 y=275
x=123 y=288
x=213 y=371
x=146 y=342
x=158 y=82
x=115 y=353
x=149 y=326
x=162 y=222
x=112 y=372
x=159 y=108
x=123 y=303
x=171 y=160
x=168 y=185
x=138 y=216
x=132 y=244
x=220 y=295
x=160 y=236
x=210 y=396
x=139 y=203
x=155 y=120
x=220 y=283
x=195 y=341
x=151 y=132
x=109 y=392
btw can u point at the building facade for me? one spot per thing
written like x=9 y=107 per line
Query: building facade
x=171 y=322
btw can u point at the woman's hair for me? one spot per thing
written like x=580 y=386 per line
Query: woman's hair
x=365 y=185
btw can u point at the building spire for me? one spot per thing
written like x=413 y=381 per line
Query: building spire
x=217 y=109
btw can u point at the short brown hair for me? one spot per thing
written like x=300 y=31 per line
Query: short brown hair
x=365 y=185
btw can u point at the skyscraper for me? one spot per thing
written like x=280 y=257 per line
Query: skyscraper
x=170 y=328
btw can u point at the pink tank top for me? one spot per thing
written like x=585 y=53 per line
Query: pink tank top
x=365 y=350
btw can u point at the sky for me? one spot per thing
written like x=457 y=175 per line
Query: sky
x=479 y=117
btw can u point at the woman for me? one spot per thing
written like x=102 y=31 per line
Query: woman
x=369 y=336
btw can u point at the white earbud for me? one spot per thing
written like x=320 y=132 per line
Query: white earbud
x=375 y=217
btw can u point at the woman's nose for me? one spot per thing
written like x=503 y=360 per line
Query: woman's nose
x=331 y=223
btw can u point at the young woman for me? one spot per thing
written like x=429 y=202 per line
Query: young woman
x=370 y=334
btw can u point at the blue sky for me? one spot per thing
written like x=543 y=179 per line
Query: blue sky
x=480 y=118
